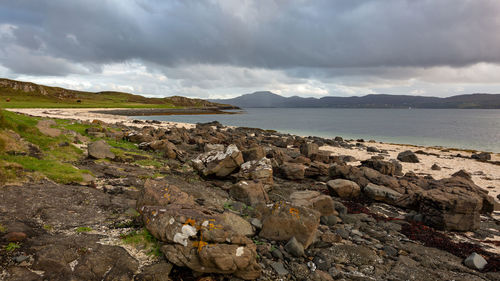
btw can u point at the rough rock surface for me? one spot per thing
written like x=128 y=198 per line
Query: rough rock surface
x=343 y=188
x=219 y=164
x=100 y=150
x=282 y=221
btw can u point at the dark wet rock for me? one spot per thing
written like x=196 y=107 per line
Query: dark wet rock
x=343 y=188
x=372 y=149
x=219 y=164
x=463 y=174
x=282 y=221
x=435 y=167
x=483 y=156
x=408 y=156
x=100 y=150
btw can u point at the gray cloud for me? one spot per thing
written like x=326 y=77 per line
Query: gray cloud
x=269 y=34
x=213 y=44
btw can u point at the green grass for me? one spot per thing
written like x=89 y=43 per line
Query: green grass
x=59 y=172
x=145 y=239
x=83 y=229
x=2 y=228
x=12 y=246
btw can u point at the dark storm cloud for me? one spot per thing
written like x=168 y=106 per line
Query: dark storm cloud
x=280 y=34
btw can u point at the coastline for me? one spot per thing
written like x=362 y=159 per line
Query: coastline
x=484 y=174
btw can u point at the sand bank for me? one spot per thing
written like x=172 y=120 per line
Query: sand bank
x=484 y=174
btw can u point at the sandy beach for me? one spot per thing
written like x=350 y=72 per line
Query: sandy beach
x=486 y=175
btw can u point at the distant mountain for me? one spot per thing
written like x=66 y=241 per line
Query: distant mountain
x=19 y=94
x=269 y=99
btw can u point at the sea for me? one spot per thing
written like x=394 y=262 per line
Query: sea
x=477 y=129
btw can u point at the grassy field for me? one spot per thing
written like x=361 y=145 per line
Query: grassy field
x=18 y=94
x=54 y=157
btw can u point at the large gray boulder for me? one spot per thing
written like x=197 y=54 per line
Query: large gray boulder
x=100 y=150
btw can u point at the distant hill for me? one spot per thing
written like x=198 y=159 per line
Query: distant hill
x=269 y=99
x=18 y=94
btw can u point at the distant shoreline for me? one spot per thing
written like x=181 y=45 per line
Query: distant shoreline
x=162 y=111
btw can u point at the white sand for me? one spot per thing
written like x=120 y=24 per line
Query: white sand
x=485 y=175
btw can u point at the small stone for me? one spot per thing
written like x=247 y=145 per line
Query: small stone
x=256 y=223
x=15 y=236
x=279 y=268
x=342 y=233
x=20 y=258
x=390 y=251
x=475 y=261
x=435 y=167
x=329 y=220
x=294 y=247
x=277 y=254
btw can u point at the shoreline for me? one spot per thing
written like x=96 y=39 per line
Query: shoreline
x=484 y=174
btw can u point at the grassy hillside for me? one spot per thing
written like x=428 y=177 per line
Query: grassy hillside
x=26 y=153
x=17 y=94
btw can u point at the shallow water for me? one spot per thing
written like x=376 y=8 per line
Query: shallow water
x=458 y=128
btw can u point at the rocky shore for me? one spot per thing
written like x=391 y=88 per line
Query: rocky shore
x=208 y=202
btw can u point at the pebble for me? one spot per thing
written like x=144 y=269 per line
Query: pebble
x=279 y=268
x=475 y=261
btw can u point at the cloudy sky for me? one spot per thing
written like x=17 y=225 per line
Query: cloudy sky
x=224 y=48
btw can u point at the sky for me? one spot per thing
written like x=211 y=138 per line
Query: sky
x=225 y=48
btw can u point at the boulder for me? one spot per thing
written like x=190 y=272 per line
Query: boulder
x=449 y=208
x=384 y=167
x=169 y=149
x=309 y=149
x=435 y=167
x=408 y=156
x=316 y=169
x=238 y=224
x=260 y=170
x=100 y=150
x=254 y=153
x=483 y=156
x=160 y=193
x=211 y=146
x=201 y=240
x=314 y=200
x=345 y=189
x=381 y=193
x=249 y=192
x=138 y=137
x=217 y=163
x=283 y=221
x=293 y=171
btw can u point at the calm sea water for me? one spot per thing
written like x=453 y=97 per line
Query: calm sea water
x=457 y=128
